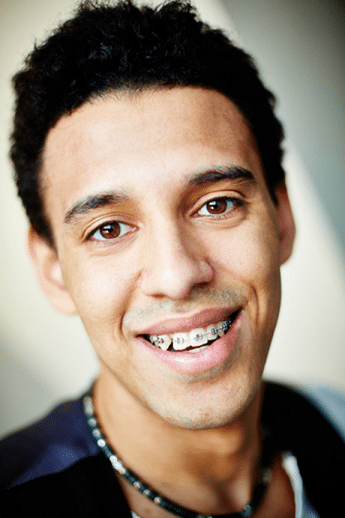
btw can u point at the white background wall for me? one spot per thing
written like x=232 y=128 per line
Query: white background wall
x=45 y=357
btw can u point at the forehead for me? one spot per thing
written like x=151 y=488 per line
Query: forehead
x=131 y=142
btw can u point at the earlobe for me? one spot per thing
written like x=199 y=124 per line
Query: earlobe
x=287 y=229
x=49 y=273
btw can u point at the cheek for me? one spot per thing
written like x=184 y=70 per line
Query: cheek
x=100 y=288
x=250 y=252
x=248 y=259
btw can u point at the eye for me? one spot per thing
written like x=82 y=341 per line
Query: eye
x=218 y=206
x=110 y=231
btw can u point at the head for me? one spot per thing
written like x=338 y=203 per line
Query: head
x=158 y=204
x=123 y=48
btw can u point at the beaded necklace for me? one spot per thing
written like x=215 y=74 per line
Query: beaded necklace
x=164 y=503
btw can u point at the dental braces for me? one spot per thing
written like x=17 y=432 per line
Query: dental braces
x=194 y=340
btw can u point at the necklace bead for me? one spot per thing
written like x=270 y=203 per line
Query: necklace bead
x=166 y=504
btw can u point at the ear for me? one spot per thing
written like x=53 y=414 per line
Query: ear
x=287 y=229
x=49 y=274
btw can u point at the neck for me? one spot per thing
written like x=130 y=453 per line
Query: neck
x=211 y=471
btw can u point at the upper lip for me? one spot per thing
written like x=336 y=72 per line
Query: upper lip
x=176 y=325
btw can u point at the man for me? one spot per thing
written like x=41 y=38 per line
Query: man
x=148 y=159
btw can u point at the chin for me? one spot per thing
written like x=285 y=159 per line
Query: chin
x=209 y=412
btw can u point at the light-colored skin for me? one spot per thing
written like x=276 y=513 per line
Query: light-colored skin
x=191 y=433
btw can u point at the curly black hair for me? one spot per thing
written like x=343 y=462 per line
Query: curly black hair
x=108 y=47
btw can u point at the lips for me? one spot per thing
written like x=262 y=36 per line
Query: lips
x=195 y=340
x=190 y=334
x=206 y=357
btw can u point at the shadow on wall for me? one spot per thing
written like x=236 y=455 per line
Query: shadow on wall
x=300 y=48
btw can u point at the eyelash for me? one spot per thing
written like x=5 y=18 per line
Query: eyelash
x=236 y=203
x=119 y=224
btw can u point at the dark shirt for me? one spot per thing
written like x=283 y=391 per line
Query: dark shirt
x=54 y=467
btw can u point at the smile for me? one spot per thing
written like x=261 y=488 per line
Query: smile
x=195 y=340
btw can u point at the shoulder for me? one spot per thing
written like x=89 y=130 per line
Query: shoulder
x=308 y=411
x=88 y=488
x=329 y=401
x=48 y=446
x=308 y=421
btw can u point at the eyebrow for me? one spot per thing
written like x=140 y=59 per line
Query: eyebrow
x=92 y=202
x=217 y=174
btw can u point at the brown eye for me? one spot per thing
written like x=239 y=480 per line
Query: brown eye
x=110 y=231
x=218 y=206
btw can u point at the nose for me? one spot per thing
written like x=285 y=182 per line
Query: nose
x=174 y=265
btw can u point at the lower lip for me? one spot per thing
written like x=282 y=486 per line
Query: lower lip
x=215 y=355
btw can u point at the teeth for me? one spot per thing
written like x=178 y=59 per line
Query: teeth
x=162 y=341
x=197 y=338
x=198 y=349
x=181 y=341
x=211 y=332
x=222 y=328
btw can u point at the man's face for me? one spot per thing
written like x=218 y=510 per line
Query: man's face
x=164 y=227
